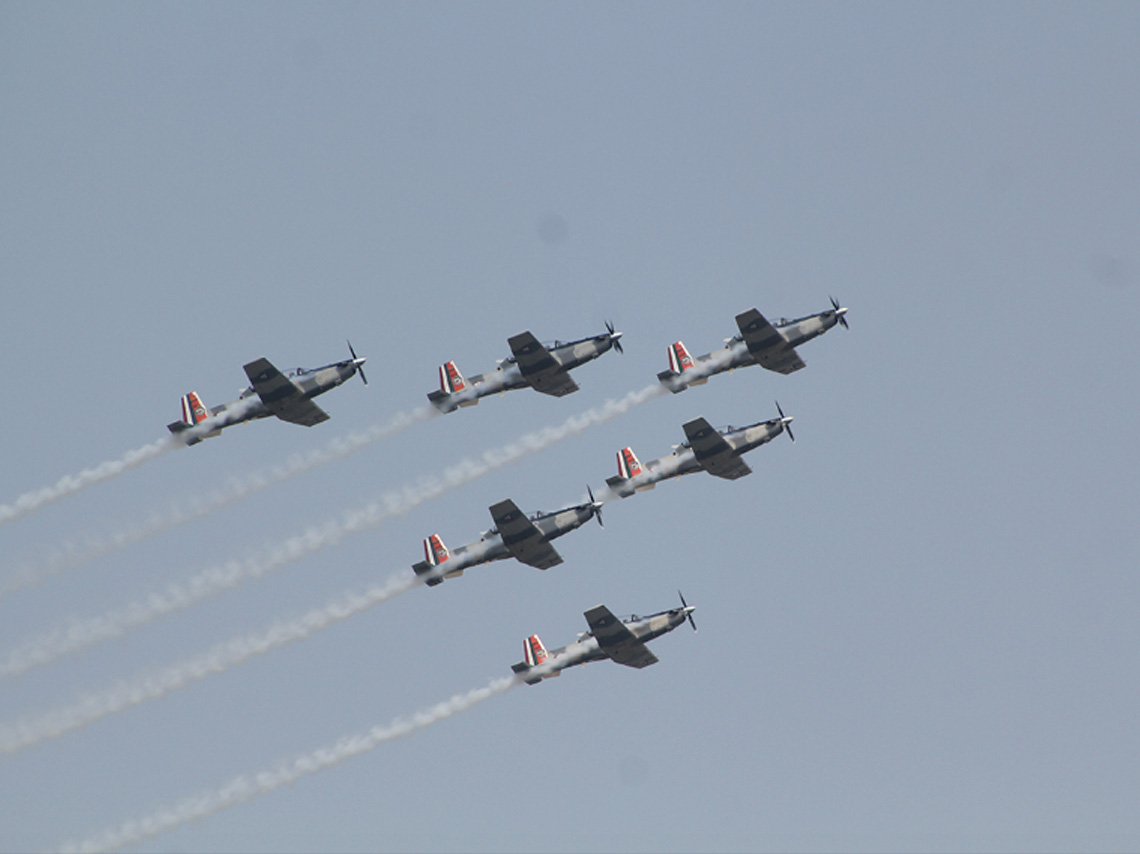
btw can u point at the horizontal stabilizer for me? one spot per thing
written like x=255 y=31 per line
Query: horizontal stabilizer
x=425 y=568
x=523 y=667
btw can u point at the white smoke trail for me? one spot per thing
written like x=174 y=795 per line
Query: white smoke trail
x=73 y=483
x=81 y=635
x=221 y=657
x=246 y=787
x=236 y=490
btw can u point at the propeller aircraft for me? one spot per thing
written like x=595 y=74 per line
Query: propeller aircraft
x=716 y=451
x=526 y=538
x=288 y=396
x=622 y=641
x=759 y=342
x=543 y=367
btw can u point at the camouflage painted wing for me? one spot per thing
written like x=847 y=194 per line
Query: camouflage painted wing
x=538 y=366
x=713 y=453
x=616 y=640
x=281 y=396
x=522 y=538
x=768 y=347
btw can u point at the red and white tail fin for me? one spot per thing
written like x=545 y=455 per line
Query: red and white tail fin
x=629 y=466
x=435 y=551
x=450 y=380
x=679 y=358
x=534 y=651
x=193 y=410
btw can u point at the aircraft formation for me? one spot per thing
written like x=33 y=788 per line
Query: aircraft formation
x=545 y=368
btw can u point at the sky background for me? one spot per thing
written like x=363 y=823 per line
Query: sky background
x=917 y=624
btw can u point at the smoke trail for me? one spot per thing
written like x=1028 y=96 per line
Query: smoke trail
x=73 y=483
x=236 y=490
x=246 y=787
x=221 y=657
x=214 y=580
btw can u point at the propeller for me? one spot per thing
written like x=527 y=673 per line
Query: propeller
x=839 y=313
x=357 y=361
x=685 y=605
x=614 y=336
x=597 y=505
x=786 y=420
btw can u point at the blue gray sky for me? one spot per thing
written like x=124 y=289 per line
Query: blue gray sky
x=917 y=623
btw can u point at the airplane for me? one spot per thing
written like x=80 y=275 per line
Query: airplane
x=715 y=451
x=543 y=367
x=622 y=641
x=288 y=396
x=759 y=343
x=514 y=535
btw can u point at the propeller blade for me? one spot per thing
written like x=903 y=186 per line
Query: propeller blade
x=786 y=420
x=597 y=505
x=685 y=604
x=841 y=312
x=615 y=337
x=357 y=361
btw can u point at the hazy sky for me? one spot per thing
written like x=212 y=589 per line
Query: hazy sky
x=917 y=623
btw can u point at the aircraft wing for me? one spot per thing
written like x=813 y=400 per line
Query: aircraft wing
x=713 y=453
x=768 y=347
x=538 y=366
x=522 y=538
x=616 y=640
x=281 y=396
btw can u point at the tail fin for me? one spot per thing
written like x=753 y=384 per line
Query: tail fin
x=534 y=651
x=435 y=551
x=534 y=654
x=194 y=412
x=629 y=465
x=450 y=380
x=679 y=358
x=678 y=378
